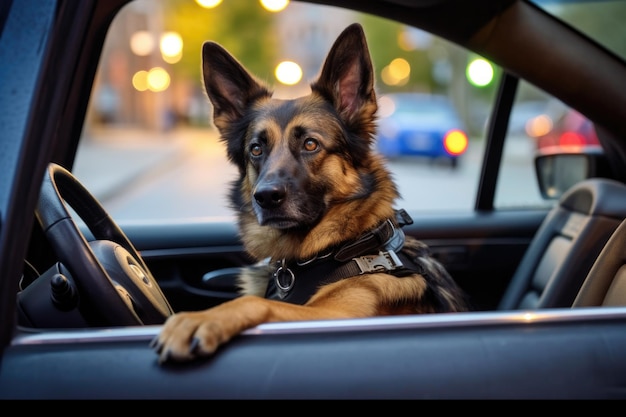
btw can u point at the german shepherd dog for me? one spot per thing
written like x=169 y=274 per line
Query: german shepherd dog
x=315 y=206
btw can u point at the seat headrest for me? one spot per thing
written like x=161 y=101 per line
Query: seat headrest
x=596 y=196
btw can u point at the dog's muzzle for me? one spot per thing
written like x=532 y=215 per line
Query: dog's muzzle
x=269 y=206
x=271 y=195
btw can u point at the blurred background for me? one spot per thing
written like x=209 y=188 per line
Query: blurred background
x=150 y=74
x=149 y=149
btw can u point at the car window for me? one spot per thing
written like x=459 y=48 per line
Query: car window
x=540 y=123
x=148 y=150
x=532 y=118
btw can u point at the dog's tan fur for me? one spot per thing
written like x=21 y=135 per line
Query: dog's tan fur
x=319 y=147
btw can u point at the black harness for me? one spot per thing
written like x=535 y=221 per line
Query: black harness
x=379 y=250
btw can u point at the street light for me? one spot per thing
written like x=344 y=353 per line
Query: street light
x=208 y=4
x=479 y=72
x=288 y=72
x=142 y=43
x=171 y=47
x=274 y=5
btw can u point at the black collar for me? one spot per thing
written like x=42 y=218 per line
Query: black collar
x=375 y=251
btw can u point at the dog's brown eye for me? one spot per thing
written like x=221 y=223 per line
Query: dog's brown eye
x=310 y=145
x=256 y=150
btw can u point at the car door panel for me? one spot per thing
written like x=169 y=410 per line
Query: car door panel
x=506 y=356
x=480 y=250
x=194 y=263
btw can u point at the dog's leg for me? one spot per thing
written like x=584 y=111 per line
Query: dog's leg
x=188 y=335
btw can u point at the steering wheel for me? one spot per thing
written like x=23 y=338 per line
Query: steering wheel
x=114 y=284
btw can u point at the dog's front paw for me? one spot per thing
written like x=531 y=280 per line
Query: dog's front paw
x=187 y=336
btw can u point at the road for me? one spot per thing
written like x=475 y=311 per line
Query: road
x=138 y=176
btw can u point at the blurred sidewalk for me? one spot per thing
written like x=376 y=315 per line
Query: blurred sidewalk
x=110 y=159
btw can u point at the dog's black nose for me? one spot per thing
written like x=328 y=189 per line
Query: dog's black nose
x=270 y=195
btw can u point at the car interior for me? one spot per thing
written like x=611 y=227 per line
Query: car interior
x=566 y=245
x=556 y=252
x=546 y=269
x=605 y=283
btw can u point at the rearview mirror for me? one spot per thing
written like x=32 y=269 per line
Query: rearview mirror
x=557 y=172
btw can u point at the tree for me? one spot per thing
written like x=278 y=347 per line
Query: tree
x=241 y=27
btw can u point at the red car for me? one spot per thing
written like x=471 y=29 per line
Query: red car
x=570 y=132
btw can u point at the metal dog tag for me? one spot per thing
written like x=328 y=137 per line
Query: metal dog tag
x=384 y=261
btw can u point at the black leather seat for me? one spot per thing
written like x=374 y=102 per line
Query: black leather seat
x=605 y=284
x=566 y=245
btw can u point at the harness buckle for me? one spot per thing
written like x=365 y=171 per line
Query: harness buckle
x=384 y=261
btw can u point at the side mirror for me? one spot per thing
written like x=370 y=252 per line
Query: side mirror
x=557 y=171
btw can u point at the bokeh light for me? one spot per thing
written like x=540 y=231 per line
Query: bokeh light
x=456 y=142
x=479 y=72
x=397 y=72
x=140 y=80
x=274 y=5
x=156 y=80
x=538 y=126
x=386 y=106
x=208 y=4
x=171 y=47
x=288 y=72
x=142 y=43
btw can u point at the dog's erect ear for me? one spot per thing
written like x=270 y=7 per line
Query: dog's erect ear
x=347 y=77
x=230 y=87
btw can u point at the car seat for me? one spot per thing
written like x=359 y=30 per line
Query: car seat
x=605 y=284
x=566 y=245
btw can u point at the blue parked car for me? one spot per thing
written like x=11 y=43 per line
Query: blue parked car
x=417 y=124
